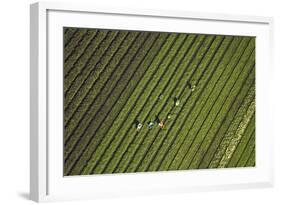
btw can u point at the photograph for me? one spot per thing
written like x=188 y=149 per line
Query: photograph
x=147 y=101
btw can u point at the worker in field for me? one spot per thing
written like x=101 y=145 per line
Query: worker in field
x=139 y=126
x=151 y=124
x=191 y=87
x=161 y=124
x=176 y=101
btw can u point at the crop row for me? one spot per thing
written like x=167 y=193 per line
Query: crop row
x=243 y=144
x=234 y=117
x=248 y=154
x=238 y=135
x=203 y=111
x=214 y=160
x=82 y=81
x=216 y=116
x=103 y=106
x=96 y=110
x=84 y=93
x=70 y=47
x=150 y=109
x=79 y=51
x=126 y=93
x=68 y=34
x=210 y=110
x=131 y=107
x=129 y=137
x=70 y=72
x=164 y=139
x=117 y=79
x=179 y=133
x=151 y=140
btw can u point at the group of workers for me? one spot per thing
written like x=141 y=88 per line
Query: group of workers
x=161 y=123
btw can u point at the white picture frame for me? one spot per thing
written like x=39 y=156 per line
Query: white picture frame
x=47 y=182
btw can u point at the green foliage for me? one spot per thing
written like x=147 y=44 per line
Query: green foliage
x=114 y=80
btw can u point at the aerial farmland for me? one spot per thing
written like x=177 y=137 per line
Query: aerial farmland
x=140 y=101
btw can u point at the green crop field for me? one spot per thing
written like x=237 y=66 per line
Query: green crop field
x=137 y=101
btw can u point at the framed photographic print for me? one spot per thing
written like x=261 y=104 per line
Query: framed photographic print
x=129 y=102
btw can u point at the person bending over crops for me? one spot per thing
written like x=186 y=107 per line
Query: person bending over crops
x=161 y=124
x=151 y=124
x=139 y=127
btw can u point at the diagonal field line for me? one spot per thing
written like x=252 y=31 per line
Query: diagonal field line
x=136 y=86
x=68 y=71
x=121 y=108
x=98 y=93
x=234 y=100
x=165 y=136
x=68 y=68
x=69 y=40
x=154 y=72
x=228 y=143
x=108 y=162
x=68 y=50
x=88 y=75
x=238 y=134
x=210 y=76
x=76 y=46
x=132 y=141
x=209 y=112
x=229 y=61
x=156 y=39
x=171 y=46
x=207 y=115
x=252 y=154
x=230 y=123
x=180 y=96
x=222 y=140
x=252 y=135
x=243 y=154
x=103 y=87
x=192 y=58
x=87 y=144
x=202 y=108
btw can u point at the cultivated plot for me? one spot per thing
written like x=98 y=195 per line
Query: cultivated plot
x=138 y=101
